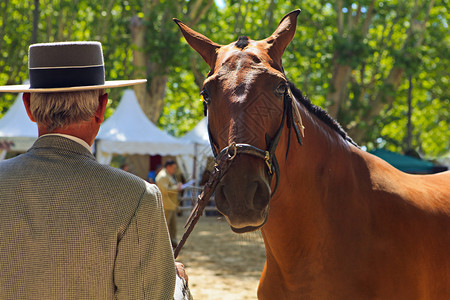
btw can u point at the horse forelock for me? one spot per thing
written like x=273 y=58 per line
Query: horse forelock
x=242 y=42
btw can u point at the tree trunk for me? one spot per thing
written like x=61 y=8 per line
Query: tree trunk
x=409 y=126
x=385 y=96
x=34 y=36
x=338 y=91
x=151 y=95
x=338 y=87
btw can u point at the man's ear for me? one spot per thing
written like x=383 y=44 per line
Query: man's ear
x=100 y=113
x=26 y=101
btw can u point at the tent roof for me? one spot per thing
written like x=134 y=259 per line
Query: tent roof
x=129 y=131
x=15 y=126
x=404 y=163
x=199 y=136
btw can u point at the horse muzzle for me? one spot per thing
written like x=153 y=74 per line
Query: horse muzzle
x=243 y=194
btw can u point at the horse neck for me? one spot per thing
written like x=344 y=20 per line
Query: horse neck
x=313 y=178
x=324 y=160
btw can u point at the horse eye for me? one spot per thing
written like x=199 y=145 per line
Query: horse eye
x=281 y=89
x=205 y=96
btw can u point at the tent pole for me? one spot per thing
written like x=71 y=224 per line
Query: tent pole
x=194 y=173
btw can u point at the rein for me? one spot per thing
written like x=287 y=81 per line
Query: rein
x=220 y=168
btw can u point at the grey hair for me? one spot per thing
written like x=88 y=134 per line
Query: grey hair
x=59 y=110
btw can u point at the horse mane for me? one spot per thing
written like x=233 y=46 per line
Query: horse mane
x=320 y=113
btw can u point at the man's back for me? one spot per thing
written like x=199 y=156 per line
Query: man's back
x=73 y=228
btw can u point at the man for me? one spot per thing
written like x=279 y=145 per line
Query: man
x=169 y=189
x=71 y=228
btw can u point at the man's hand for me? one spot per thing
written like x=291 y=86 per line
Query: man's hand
x=181 y=271
x=182 y=291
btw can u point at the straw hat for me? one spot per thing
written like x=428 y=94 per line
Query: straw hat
x=66 y=67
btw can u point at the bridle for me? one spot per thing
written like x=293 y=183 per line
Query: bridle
x=226 y=156
x=290 y=113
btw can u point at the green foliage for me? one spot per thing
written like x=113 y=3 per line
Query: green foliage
x=62 y=21
x=161 y=34
x=181 y=111
x=391 y=41
x=351 y=51
x=431 y=119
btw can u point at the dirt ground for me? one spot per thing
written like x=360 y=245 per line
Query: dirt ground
x=221 y=264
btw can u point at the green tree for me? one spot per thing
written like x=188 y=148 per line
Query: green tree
x=355 y=59
x=157 y=46
x=62 y=21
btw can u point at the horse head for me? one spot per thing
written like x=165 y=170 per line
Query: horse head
x=245 y=95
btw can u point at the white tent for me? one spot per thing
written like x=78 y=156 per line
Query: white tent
x=16 y=127
x=129 y=131
x=199 y=134
x=202 y=149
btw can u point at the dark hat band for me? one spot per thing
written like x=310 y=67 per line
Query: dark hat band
x=66 y=77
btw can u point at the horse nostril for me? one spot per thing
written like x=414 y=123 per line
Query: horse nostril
x=221 y=200
x=262 y=196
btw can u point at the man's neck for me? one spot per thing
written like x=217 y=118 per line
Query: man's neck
x=84 y=131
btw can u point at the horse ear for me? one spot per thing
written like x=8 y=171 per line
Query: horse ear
x=200 y=43
x=283 y=35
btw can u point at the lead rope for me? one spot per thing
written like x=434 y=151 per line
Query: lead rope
x=220 y=168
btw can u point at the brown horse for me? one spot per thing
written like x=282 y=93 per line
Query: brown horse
x=342 y=223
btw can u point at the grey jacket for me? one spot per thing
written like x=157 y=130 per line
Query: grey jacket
x=71 y=228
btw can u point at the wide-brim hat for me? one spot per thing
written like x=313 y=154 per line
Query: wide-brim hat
x=66 y=67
